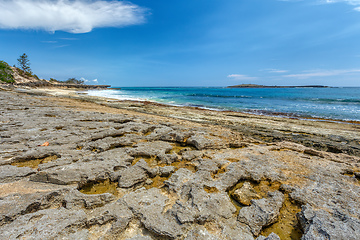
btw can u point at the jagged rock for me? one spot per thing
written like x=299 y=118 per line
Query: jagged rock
x=139 y=237
x=244 y=194
x=234 y=173
x=166 y=171
x=192 y=155
x=133 y=175
x=117 y=213
x=177 y=180
x=234 y=230
x=208 y=166
x=210 y=206
x=9 y=173
x=38 y=153
x=13 y=206
x=80 y=172
x=262 y=212
x=150 y=149
x=200 y=233
x=168 y=158
x=46 y=224
x=319 y=224
x=343 y=195
x=148 y=205
x=201 y=141
x=272 y=236
x=184 y=212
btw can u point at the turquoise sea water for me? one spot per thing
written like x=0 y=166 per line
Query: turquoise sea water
x=329 y=103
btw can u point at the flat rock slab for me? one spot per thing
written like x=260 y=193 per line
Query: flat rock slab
x=47 y=224
x=170 y=178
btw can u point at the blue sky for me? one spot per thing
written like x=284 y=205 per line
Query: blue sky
x=186 y=43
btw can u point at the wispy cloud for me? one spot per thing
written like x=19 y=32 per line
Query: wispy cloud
x=273 y=70
x=322 y=73
x=350 y=2
x=49 y=41
x=75 y=16
x=241 y=77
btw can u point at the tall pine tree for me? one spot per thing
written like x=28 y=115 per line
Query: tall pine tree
x=24 y=63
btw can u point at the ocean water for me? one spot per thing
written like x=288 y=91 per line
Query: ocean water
x=328 y=103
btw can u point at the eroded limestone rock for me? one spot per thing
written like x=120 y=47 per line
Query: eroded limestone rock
x=262 y=212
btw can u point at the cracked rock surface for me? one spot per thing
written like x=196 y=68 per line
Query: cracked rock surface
x=113 y=173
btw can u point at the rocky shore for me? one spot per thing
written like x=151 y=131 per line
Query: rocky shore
x=80 y=167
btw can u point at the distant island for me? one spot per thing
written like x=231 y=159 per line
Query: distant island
x=264 y=86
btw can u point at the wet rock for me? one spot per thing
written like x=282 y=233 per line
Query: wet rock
x=46 y=224
x=262 y=212
x=319 y=224
x=9 y=173
x=245 y=194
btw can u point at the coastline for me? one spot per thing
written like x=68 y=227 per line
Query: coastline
x=324 y=134
x=91 y=163
x=284 y=104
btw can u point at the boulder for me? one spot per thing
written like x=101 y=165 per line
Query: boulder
x=262 y=212
x=245 y=194
x=320 y=224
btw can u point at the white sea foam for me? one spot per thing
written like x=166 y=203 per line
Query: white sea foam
x=114 y=94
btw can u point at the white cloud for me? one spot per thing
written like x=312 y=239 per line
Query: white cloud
x=350 y=2
x=89 y=81
x=273 y=70
x=322 y=73
x=241 y=77
x=75 y=16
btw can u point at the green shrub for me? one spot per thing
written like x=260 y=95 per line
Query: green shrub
x=6 y=73
x=74 y=81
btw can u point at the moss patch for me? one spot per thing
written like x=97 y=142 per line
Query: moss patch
x=105 y=186
x=35 y=162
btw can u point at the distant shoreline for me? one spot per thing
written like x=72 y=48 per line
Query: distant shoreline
x=264 y=86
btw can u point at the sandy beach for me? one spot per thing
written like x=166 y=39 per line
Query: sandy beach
x=74 y=166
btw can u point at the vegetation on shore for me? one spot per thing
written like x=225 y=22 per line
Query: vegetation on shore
x=23 y=69
x=6 y=73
